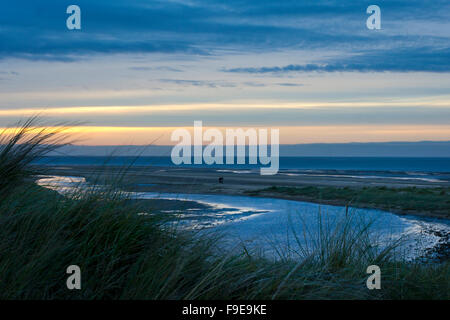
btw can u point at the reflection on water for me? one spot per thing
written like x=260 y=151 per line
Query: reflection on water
x=271 y=224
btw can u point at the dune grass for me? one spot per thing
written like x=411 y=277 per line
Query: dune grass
x=123 y=255
x=21 y=146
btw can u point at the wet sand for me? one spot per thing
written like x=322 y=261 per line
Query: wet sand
x=235 y=180
x=244 y=182
x=206 y=180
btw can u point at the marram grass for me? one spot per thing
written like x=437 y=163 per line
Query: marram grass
x=123 y=255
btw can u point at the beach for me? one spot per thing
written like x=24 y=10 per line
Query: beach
x=249 y=182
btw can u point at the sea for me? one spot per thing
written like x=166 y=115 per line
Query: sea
x=419 y=164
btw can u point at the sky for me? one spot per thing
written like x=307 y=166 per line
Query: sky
x=137 y=70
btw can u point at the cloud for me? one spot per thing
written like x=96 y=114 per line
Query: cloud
x=286 y=84
x=13 y=73
x=35 y=30
x=144 y=68
x=200 y=83
x=399 y=60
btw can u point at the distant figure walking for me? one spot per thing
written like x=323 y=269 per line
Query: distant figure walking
x=221 y=180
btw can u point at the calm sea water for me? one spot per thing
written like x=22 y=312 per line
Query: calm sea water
x=286 y=163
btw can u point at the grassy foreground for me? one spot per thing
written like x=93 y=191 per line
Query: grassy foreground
x=123 y=255
x=421 y=201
